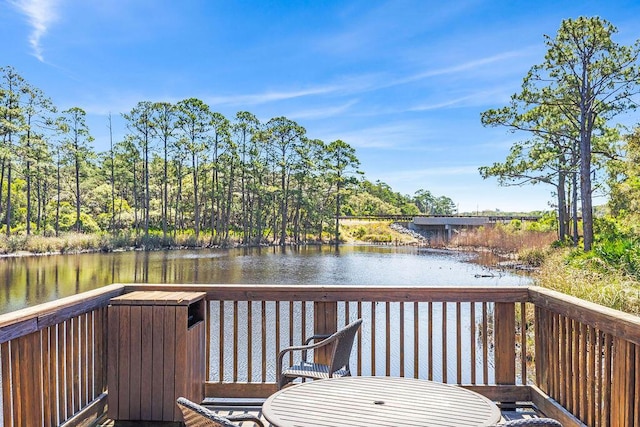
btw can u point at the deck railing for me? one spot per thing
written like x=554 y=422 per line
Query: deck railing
x=575 y=361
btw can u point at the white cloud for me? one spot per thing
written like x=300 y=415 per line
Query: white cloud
x=40 y=14
x=474 y=65
x=321 y=113
x=397 y=136
x=271 y=96
x=420 y=174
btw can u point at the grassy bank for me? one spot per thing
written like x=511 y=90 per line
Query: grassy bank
x=375 y=232
x=81 y=242
x=379 y=232
x=592 y=277
x=596 y=282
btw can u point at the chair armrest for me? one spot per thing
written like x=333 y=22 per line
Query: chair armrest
x=316 y=337
x=245 y=417
x=303 y=349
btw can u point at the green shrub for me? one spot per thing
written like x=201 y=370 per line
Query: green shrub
x=378 y=238
x=534 y=257
x=359 y=232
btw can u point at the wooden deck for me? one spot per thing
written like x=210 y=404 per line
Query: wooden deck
x=571 y=360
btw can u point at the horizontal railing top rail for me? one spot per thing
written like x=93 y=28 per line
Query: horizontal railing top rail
x=615 y=322
x=328 y=293
x=31 y=319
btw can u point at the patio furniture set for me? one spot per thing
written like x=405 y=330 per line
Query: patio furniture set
x=343 y=400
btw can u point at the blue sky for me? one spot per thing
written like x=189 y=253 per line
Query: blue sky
x=403 y=82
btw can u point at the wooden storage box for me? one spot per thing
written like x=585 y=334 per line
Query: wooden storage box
x=156 y=353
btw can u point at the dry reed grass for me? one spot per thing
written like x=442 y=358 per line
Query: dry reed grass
x=503 y=240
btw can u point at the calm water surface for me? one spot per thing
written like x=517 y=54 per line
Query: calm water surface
x=32 y=280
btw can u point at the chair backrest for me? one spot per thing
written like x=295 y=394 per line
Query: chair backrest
x=343 y=343
x=198 y=416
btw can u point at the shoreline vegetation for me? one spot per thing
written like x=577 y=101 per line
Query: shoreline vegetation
x=550 y=266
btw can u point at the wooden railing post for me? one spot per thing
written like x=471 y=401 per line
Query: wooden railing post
x=325 y=320
x=505 y=340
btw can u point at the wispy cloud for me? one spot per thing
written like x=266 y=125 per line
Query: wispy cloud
x=417 y=174
x=271 y=96
x=463 y=67
x=475 y=98
x=397 y=136
x=322 y=113
x=40 y=14
x=442 y=180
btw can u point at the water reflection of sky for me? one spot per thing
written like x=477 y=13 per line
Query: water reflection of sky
x=32 y=280
x=356 y=265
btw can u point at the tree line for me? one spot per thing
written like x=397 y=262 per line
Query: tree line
x=180 y=168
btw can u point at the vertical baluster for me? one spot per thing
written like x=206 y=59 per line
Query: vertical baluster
x=485 y=344
x=88 y=346
x=48 y=391
x=387 y=339
x=347 y=315
x=263 y=338
x=7 y=403
x=591 y=376
x=68 y=356
x=303 y=326
x=207 y=333
x=416 y=340
x=235 y=341
x=554 y=360
x=278 y=332
x=402 y=339
x=17 y=387
x=472 y=342
x=249 y=341
x=458 y=343
x=606 y=387
x=575 y=366
x=430 y=339
x=565 y=363
x=100 y=353
x=523 y=342
x=291 y=331
x=445 y=328
x=583 y=380
x=221 y=323
x=77 y=363
x=373 y=338
x=359 y=343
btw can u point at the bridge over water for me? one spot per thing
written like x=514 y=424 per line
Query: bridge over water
x=442 y=227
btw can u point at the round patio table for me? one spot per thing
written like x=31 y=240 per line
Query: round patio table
x=378 y=401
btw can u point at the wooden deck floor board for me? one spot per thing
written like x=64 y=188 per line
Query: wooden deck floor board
x=229 y=408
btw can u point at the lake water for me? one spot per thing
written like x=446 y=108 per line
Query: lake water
x=28 y=281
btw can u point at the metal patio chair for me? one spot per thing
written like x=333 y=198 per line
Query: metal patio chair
x=198 y=416
x=342 y=342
